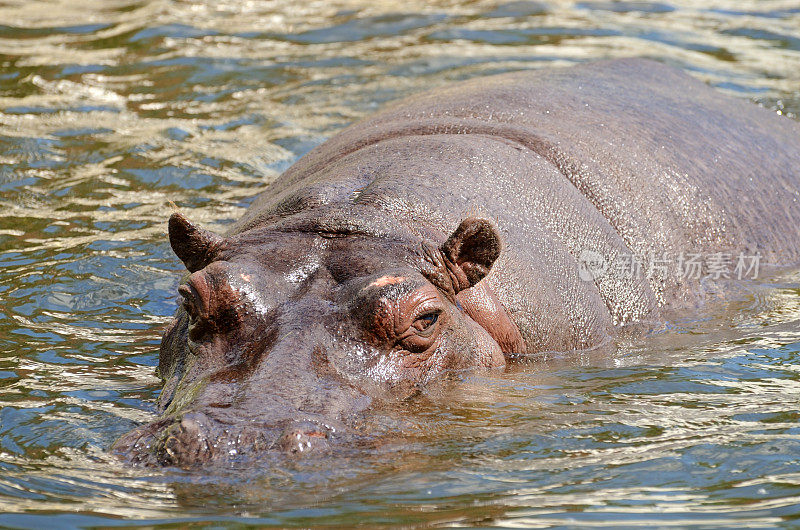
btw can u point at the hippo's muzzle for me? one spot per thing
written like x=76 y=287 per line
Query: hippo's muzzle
x=302 y=436
x=194 y=439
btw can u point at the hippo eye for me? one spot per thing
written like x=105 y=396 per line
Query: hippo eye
x=425 y=324
x=422 y=332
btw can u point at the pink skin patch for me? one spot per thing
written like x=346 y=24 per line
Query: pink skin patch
x=387 y=280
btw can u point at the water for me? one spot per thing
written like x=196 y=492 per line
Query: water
x=111 y=110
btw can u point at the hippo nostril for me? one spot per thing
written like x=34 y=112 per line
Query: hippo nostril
x=185 y=442
x=190 y=302
x=304 y=436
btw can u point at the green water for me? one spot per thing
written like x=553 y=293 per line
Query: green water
x=109 y=109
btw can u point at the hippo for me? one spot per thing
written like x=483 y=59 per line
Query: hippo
x=463 y=229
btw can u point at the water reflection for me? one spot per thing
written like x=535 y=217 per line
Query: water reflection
x=109 y=112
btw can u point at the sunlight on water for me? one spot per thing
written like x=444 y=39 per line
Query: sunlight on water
x=110 y=111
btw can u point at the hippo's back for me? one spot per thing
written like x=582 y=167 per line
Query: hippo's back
x=637 y=158
x=661 y=155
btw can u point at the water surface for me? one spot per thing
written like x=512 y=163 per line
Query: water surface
x=111 y=110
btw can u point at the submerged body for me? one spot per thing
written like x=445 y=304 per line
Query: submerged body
x=451 y=231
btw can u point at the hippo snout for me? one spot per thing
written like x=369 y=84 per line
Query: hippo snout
x=186 y=442
x=195 y=438
x=305 y=436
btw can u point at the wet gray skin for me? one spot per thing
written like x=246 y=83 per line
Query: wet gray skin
x=446 y=233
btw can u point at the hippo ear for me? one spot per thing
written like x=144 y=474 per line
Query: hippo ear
x=471 y=250
x=194 y=246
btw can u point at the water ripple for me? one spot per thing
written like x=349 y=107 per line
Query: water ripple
x=111 y=111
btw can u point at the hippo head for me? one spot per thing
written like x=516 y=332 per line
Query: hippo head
x=284 y=336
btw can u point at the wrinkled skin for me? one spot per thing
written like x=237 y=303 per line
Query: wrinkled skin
x=445 y=234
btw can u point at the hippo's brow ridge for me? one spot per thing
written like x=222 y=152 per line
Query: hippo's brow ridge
x=325 y=228
x=387 y=280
